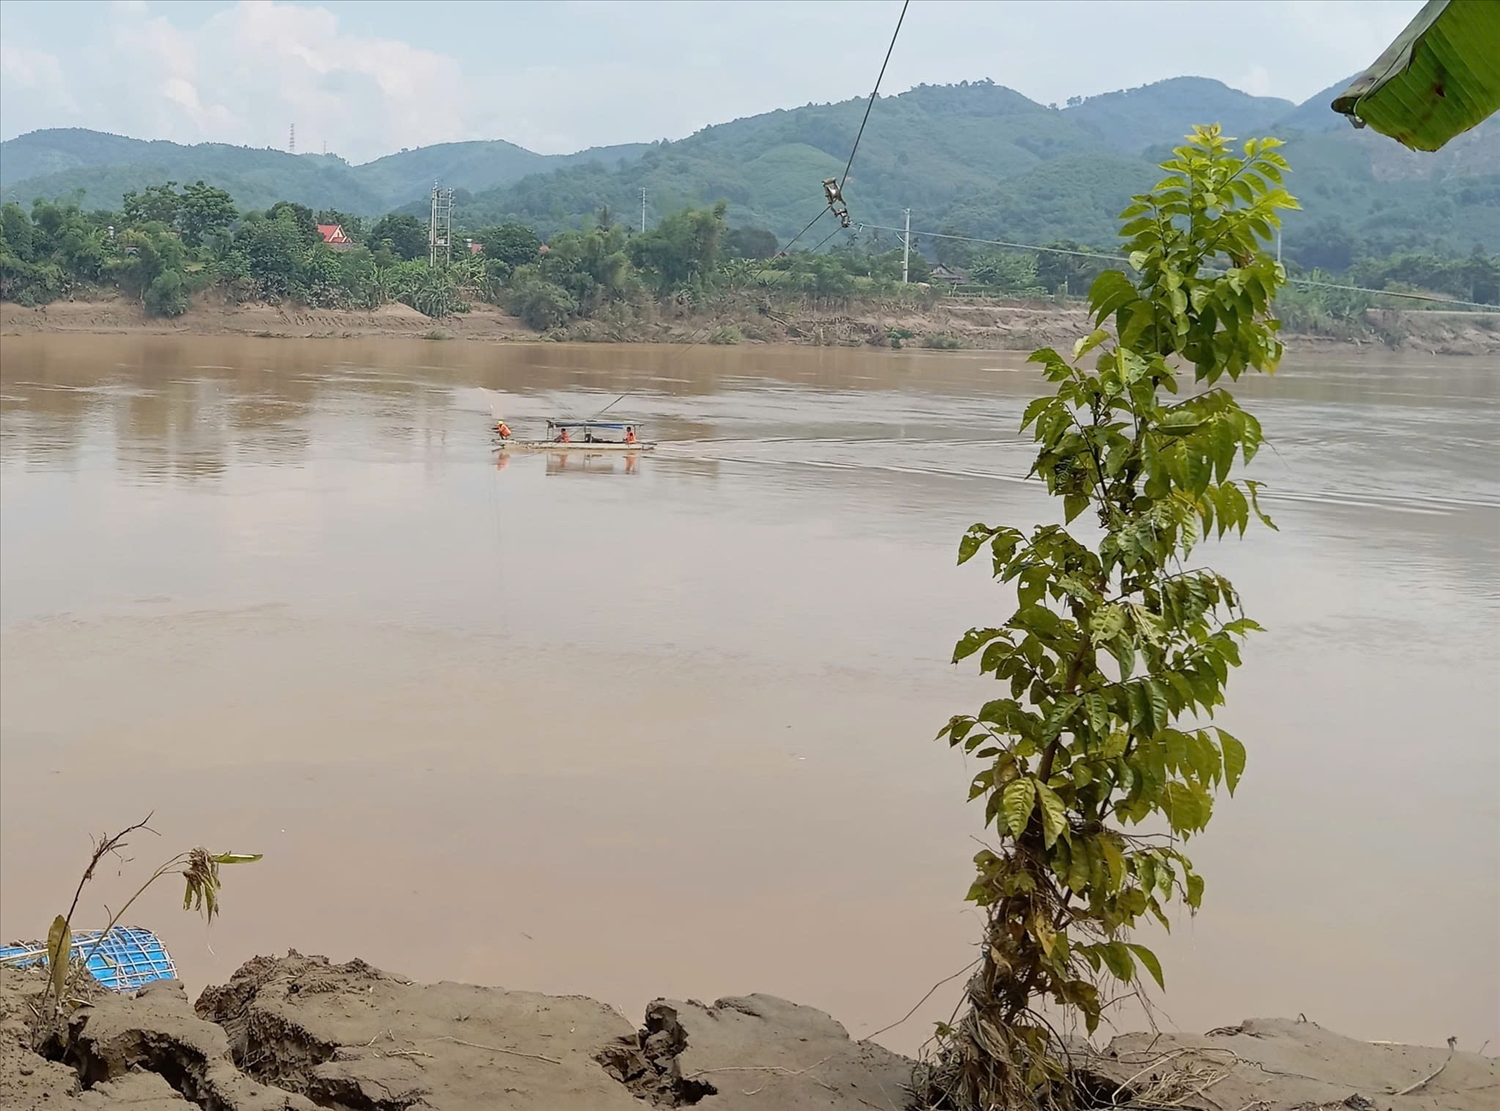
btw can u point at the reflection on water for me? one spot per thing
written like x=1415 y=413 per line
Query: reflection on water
x=590 y=463
x=670 y=735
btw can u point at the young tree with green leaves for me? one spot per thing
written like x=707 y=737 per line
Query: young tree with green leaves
x=683 y=246
x=1095 y=764
x=511 y=245
x=204 y=211
x=1008 y=272
x=404 y=233
x=157 y=204
x=298 y=216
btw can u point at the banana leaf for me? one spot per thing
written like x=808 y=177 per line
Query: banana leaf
x=1440 y=78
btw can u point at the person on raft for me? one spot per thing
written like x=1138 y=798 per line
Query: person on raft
x=563 y=437
x=502 y=429
x=630 y=435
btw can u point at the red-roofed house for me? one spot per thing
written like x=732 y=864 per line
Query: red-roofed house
x=334 y=236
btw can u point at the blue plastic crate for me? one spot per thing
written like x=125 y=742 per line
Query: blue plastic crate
x=129 y=957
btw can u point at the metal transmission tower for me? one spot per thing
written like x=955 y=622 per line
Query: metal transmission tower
x=291 y=141
x=440 y=226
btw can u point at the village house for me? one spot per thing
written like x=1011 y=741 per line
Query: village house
x=335 y=236
x=953 y=275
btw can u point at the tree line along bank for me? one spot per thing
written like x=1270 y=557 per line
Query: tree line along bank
x=165 y=244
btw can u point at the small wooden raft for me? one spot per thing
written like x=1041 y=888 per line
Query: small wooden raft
x=574 y=445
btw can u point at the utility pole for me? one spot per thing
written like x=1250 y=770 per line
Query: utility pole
x=643 y=211
x=1278 y=246
x=906 y=250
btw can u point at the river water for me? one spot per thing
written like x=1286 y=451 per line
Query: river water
x=664 y=727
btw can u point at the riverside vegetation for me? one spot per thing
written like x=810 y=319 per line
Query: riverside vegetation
x=166 y=244
x=1098 y=764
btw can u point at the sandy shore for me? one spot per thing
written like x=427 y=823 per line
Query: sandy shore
x=298 y=1033
x=974 y=324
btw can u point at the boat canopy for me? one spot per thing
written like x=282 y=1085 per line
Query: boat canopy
x=619 y=426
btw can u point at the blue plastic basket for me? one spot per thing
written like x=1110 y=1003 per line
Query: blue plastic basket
x=128 y=958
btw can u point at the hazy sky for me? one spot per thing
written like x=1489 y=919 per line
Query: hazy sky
x=367 y=78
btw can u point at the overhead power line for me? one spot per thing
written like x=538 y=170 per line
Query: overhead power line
x=821 y=213
x=826 y=238
x=1004 y=243
x=1120 y=258
x=1394 y=293
x=874 y=93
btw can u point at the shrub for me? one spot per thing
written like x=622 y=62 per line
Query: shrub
x=942 y=341
x=167 y=295
x=541 y=304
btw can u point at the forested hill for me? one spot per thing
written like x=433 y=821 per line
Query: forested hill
x=58 y=162
x=936 y=148
x=976 y=158
x=985 y=161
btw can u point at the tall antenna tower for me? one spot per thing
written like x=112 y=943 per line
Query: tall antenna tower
x=291 y=140
x=440 y=226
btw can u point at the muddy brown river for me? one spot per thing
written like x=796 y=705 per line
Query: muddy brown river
x=664 y=726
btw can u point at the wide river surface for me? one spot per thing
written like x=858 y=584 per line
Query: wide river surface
x=664 y=726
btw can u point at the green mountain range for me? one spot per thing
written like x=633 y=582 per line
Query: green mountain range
x=58 y=162
x=982 y=160
x=975 y=158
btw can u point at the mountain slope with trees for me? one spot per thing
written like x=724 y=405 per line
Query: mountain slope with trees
x=1131 y=120
x=56 y=163
x=975 y=158
x=985 y=161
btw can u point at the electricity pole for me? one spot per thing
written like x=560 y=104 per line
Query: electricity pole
x=906 y=250
x=643 y=211
x=440 y=227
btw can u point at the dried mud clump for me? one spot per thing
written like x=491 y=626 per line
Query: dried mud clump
x=649 y=1064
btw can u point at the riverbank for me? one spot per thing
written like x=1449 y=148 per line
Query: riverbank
x=947 y=323
x=298 y=1033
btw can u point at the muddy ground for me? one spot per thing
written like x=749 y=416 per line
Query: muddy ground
x=299 y=1033
x=944 y=323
